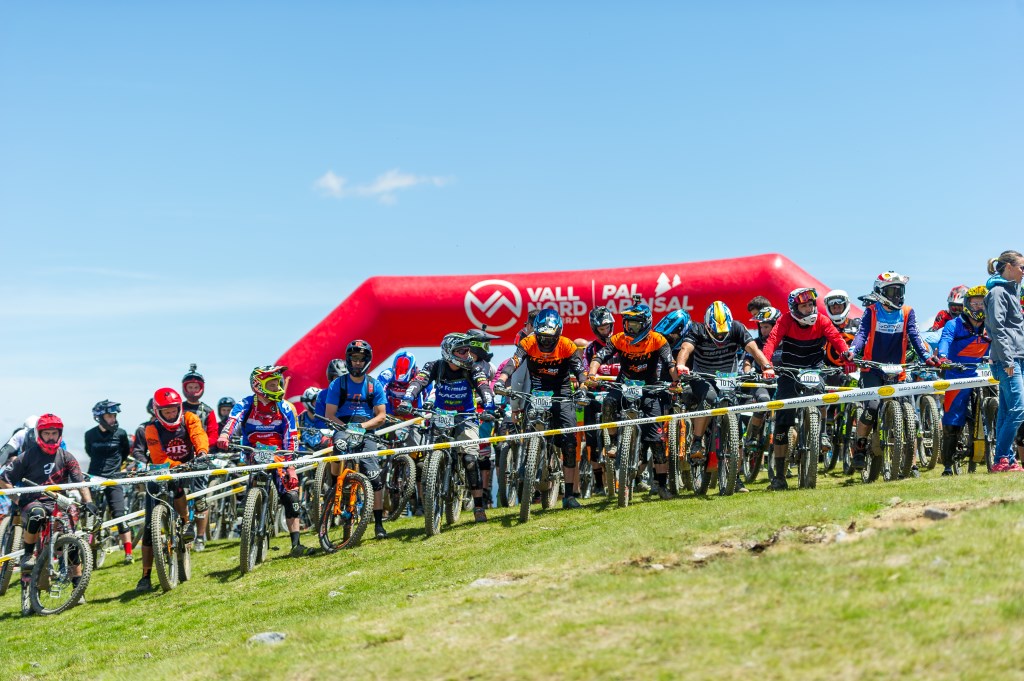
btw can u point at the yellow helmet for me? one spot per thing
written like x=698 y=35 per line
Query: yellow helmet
x=975 y=292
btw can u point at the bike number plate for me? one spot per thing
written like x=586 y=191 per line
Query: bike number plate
x=263 y=454
x=984 y=371
x=443 y=418
x=725 y=381
x=632 y=390
x=355 y=429
x=159 y=467
x=892 y=369
x=810 y=379
x=541 y=399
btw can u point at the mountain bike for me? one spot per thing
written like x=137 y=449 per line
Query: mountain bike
x=977 y=442
x=50 y=588
x=444 y=473
x=894 y=437
x=629 y=449
x=804 y=437
x=722 y=438
x=542 y=461
x=258 y=516
x=347 y=505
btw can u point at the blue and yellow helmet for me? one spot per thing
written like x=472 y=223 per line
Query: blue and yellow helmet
x=718 y=321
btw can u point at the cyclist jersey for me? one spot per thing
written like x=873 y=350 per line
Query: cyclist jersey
x=41 y=468
x=359 y=398
x=832 y=356
x=274 y=424
x=177 y=446
x=394 y=391
x=139 y=450
x=549 y=370
x=645 y=361
x=107 y=450
x=885 y=335
x=760 y=342
x=941 y=319
x=207 y=416
x=962 y=343
x=802 y=346
x=453 y=388
x=710 y=356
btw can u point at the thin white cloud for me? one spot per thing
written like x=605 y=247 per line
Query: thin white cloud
x=107 y=272
x=383 y=188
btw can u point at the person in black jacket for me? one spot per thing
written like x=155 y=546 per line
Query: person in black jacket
x=108 y=449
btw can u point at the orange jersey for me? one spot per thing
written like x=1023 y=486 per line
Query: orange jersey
x=644 y=361
x=177 y=446
x=549 y=370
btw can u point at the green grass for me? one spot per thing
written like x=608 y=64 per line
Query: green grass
x=912 y=598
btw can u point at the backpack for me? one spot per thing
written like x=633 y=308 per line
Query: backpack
x=343 y=392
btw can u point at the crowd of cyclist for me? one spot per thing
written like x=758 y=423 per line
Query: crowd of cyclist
x=686 y=353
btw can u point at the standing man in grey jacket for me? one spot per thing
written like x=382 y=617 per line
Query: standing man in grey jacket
x=1004 y=322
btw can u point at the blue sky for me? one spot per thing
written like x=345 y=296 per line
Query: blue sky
x=204 y=182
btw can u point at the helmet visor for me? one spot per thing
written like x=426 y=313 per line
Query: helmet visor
x=808 y=296
x=632 y=327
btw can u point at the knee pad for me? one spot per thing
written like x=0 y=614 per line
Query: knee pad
x=473 y=472
x=658 y=453
x=376 y=481
x=568 y=456
x=870 y=414
x=201 y=505
x=290 y=502
x=121 y=528
x=861 y=444
x=780 y=439
x=36 y=516
x=486 y=463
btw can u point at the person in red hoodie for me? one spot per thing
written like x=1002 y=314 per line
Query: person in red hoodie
x=800 y=337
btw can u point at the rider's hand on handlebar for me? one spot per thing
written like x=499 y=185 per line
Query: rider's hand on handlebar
x=768 y=373
x=682 y=370
x=500 y=388
x=92 y=508
x=849 y=367
x=223 y=443
x=404 y=408
x=936 y=362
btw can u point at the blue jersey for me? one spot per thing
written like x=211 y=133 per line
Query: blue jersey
x=963 y=344
x=274 y=424
x=357 y=401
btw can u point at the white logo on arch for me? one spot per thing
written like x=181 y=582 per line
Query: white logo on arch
x=494 y=302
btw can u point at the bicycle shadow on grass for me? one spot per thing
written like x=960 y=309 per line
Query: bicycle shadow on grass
x=125 y=597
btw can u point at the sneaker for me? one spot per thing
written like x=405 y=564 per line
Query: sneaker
x=418 y=512
x=914 y=473
x=1015 y=467
x=199 y=544
x=81 y=600
x=664 y=494
x=145 y=584
x=189 y=534
x=1001 y=466
x=778 y=484
x=826 y=442
x=642 y=486
x=948 y=470
x=860 y=461
x=379 y=532
x=129 y=559
x=697 y=450
x=479 y=515
x=298 y=551
x=571 y=502
x=27 y=563
x=741 y=487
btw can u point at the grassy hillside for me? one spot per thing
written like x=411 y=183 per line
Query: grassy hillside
x=841 y=582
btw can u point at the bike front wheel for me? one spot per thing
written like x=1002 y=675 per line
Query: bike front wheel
x=51 y=587
x=164 y=540
x=343 y=520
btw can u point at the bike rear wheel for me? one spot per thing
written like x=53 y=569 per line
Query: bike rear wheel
x=910 y=437
x=989 y=414
x=51 y=590
x=456 y=489
x=550 y=475
x=400 y=486
x=164 y=540
x=700 y=480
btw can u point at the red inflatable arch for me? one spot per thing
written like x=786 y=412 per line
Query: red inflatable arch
x=396 y=312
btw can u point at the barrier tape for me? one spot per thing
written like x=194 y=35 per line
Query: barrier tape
x=826 y=399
